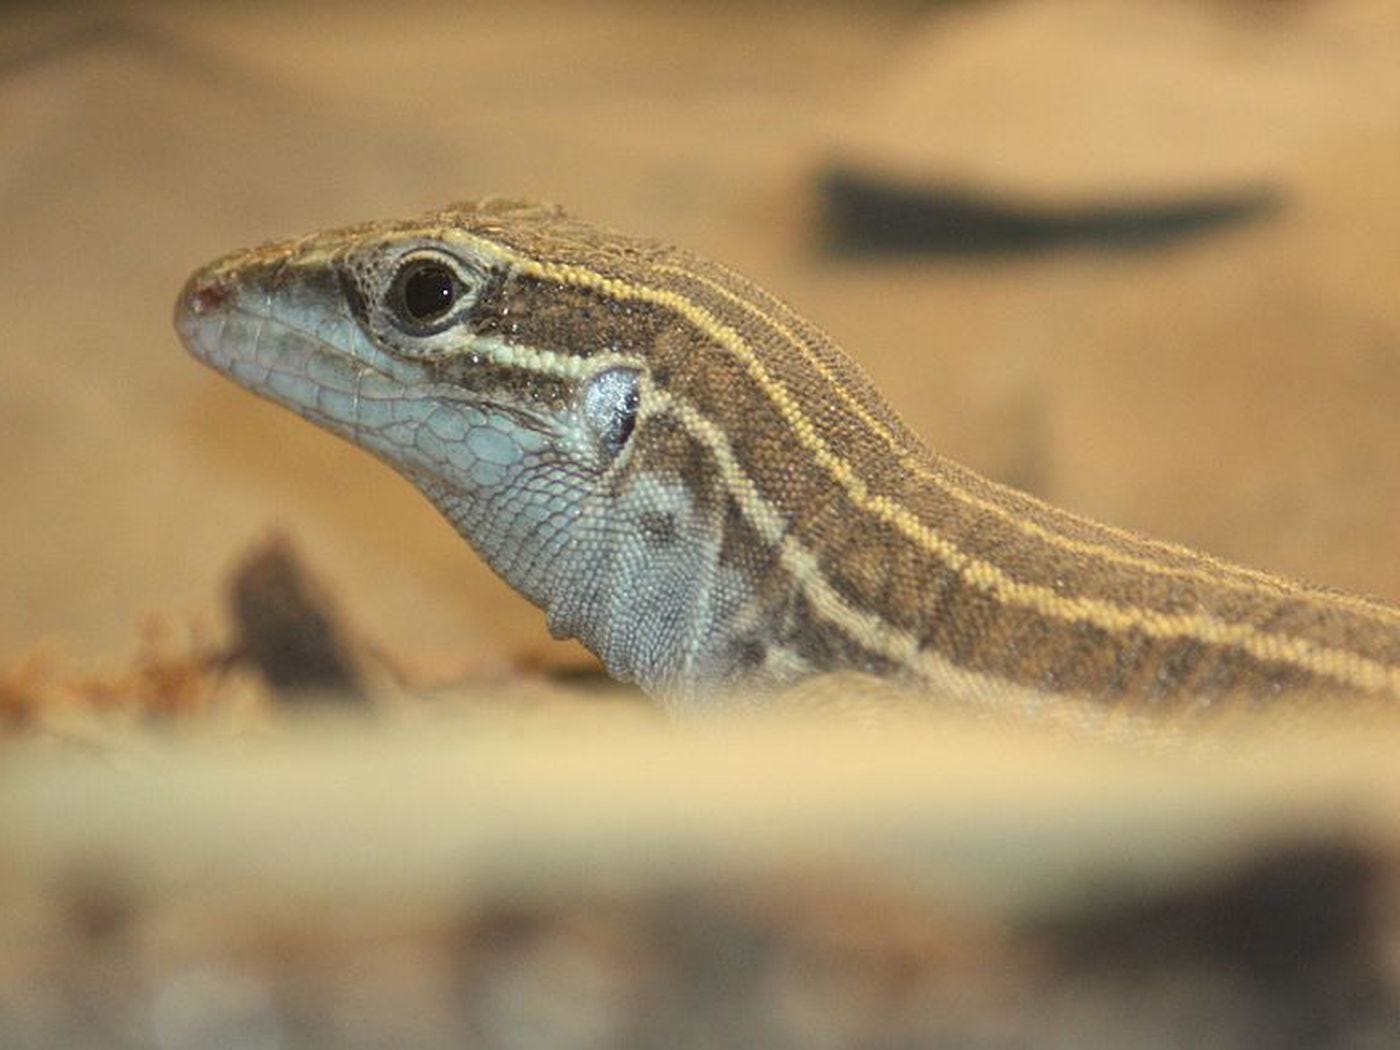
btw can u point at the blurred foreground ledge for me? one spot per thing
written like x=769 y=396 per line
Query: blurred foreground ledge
x=609 y=881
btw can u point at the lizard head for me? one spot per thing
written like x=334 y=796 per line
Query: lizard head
x=541 y=380
x=422 y=341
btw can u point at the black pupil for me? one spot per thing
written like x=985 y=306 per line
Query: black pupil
x=429 y=290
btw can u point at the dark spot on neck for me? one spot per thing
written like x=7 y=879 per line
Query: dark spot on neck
x=658 y=527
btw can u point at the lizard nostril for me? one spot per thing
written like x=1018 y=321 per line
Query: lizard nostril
x=203 y=299
x=206 y=296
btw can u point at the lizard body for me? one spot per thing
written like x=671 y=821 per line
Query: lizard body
x=700 y=486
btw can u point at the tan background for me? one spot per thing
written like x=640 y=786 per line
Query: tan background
x=1237 y=391
x=570 y=874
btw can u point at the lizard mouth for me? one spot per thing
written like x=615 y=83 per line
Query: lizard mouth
x=294 y=342
x=308 y=356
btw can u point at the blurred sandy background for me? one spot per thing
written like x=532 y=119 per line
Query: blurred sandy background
x=571 y=881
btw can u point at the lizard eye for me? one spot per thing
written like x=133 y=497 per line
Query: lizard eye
x=425 y=292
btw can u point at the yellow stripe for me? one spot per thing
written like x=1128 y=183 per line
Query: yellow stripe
x=1340 y=665
x=870 y=631
x=561 y=366
x=1249 y=580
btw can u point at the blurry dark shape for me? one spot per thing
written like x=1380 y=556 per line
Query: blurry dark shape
x=288 y=630
x=22 y=687
x=63 y=41
x=101 y=910
x=557 y=977
x=570 y=666
x=873 y=215
x=1283 y=952
x=84 y=32
x=1285 y=943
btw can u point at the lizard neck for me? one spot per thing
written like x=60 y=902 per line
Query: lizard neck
x=657 y=602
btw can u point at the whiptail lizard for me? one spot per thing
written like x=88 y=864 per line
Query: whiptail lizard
x=699 y=485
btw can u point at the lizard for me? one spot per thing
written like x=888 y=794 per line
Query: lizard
x=709 y=494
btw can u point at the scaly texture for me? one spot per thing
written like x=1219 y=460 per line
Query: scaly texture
x=700 y=486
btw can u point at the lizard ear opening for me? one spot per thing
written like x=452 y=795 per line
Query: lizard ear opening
x=608 y=407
